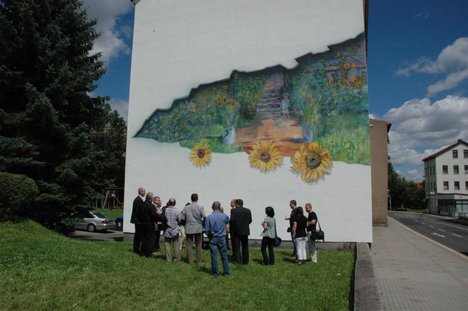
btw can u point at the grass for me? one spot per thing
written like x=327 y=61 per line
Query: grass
x=43 y=270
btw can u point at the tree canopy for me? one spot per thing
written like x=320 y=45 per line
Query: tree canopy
x=52 y=129
x=404 y=193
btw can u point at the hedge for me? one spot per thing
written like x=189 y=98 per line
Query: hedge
x=16 y=195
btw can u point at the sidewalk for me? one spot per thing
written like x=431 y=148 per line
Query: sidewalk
x=414 y=273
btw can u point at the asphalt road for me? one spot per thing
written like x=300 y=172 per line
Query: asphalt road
x=109 y=235
x=439 y=229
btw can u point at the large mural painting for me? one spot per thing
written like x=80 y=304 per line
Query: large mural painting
x=263 y=100
x=305 y=117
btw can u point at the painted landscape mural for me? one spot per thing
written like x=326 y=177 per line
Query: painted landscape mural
x=305 y=117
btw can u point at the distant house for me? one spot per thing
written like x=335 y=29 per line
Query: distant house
x=446 y=180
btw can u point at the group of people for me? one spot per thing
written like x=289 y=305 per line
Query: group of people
x=151 y=219
x=302 y=229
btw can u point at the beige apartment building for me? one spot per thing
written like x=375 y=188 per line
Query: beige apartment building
x=379 y=170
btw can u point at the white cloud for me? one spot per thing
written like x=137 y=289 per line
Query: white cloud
x=451 y=81
x=415 y=175
x=107 y=12
x=419 y=128
x=452 y=61
x=121 y=106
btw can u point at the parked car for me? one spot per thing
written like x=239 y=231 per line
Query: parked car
x=96 y=221
x=119 y=223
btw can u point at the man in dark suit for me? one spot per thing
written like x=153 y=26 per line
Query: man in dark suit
x=147 y=216
x=137 y=205
x=241 y=218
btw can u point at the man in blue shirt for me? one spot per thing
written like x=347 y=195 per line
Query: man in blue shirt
x=215 y=228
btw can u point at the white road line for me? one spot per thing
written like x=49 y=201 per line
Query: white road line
x=441 y=230
x=461 y=227
x=442 y=236
x=457 y=235
x=423 y=222
x=431 y=226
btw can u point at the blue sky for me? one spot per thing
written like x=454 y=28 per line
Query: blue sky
x=417 y=71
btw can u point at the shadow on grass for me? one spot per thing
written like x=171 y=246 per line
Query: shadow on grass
x=259 y=261
x=205 y=270
x=289 y=259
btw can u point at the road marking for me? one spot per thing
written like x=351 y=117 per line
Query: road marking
x=431 y=226
x=423 y=222
x=442 y=230
x=457 y=235
x=442 y=236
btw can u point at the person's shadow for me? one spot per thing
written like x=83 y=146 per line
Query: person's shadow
x=259 y=261
x=206 y=270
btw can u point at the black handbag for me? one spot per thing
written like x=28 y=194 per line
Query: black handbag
x=318 y=234
x=277 y=239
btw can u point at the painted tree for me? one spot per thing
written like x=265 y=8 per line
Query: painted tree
x=51 y=128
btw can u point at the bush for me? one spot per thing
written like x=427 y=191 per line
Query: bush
x=16 y=194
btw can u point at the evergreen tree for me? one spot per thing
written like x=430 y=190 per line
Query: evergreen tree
x=51 y=128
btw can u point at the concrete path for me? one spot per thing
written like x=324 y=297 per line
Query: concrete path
x=414 y=273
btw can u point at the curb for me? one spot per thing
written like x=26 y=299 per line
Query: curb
x=366 y=294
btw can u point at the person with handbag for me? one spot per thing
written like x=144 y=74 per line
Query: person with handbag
x=268 y=234
x=311 y=228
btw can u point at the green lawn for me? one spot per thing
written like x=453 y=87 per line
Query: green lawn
x=43 y=270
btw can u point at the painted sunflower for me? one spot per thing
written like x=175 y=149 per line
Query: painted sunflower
x=311 y=161
x=232 y=104
x=265 y=156
x=201 y=155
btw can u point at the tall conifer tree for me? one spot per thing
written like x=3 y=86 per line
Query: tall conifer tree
x=51 y=128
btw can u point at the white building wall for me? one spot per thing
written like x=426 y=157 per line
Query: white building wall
x=178 y=45
x=447 y=159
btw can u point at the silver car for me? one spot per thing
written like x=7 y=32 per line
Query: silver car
x=96 y=221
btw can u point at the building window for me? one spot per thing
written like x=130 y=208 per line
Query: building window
x=456 y=185
x=466 y=169
x=446 y=187
x=455 y=154
x=445 y=169
x=465 y=153
x=455 y=170
x=466 y=185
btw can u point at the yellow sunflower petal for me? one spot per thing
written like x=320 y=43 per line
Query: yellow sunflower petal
x=265 y=156
x=304 y=162
x=200 y=155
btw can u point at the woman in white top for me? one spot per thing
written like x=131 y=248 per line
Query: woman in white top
x=269 y=233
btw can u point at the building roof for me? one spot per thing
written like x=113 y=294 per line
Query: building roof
x=438 y=153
